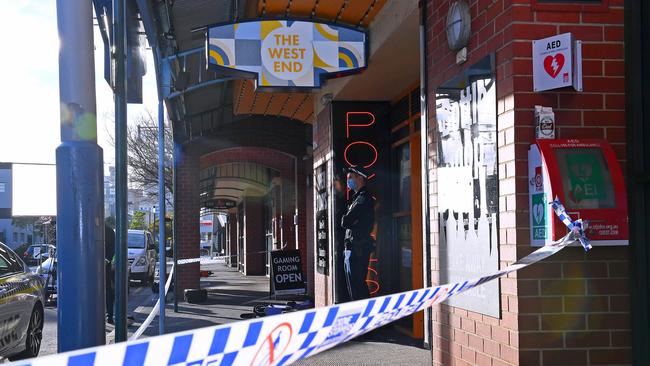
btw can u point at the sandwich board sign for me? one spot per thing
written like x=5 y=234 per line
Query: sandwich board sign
x=557 y=63
x=286 y=273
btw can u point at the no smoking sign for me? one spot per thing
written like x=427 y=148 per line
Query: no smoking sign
x=557 y=63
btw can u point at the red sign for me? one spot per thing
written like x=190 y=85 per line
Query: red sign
x=586 y=176
x=274 y=346
x=554 y=64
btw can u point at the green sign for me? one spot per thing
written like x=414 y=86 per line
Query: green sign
x=585 y=177
x=538 y=209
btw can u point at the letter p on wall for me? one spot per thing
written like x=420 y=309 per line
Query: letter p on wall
x=358 y=119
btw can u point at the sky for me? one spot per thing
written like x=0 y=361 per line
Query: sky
x=29 y=128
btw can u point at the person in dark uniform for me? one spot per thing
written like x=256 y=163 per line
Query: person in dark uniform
x=109 y=253
x=358 y=223
x=340 y=208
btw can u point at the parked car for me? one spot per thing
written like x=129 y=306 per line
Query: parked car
x=21 y=307
x=142 y=256
x=47 y=272
x=37 y=253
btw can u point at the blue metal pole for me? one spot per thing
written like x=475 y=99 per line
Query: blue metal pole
x=80 y=194
x=119 y=77
x=161 y=217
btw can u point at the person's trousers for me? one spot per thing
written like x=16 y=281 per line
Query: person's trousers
x=110 y=291
x=357 y=286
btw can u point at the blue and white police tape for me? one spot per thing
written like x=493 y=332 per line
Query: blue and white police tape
x=281 y=339
x=578 y=226
x=207 y=260
x=188 y=261
x=156 y=309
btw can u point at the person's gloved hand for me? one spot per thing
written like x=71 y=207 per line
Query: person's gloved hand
x=346 y=260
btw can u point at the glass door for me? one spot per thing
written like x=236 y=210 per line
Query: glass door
x=407 y=203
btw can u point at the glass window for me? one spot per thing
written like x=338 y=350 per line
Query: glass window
x=17 y=265
x=399 y=111
x=400 y=133
x=9 y=263
x=586 y=180
x=136 y=240
x=415 y=101
x=403 y=186
x=2 y=187
x=4 y=263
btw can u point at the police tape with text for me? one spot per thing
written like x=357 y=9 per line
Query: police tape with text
x=286 y=338
x=195 y=260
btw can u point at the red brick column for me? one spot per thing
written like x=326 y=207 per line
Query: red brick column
x=254 y=236
x=186 y=217
x=323 y=291
x=233 y=249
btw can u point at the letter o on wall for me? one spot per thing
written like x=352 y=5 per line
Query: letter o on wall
x=363 y=143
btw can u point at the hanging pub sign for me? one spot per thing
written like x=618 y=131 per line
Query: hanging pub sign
x=286 y=53
x=557 y=63
x=220 y=204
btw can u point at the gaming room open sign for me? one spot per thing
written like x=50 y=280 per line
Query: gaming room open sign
x=286 y=272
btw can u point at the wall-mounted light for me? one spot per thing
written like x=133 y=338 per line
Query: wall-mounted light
x=326 y=98
x=458 y=25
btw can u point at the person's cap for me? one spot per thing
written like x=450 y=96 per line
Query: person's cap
x=360 y=170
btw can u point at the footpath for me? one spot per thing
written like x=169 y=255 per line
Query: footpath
x=230 y=294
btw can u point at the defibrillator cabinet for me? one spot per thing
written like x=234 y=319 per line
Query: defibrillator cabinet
x=586 y=177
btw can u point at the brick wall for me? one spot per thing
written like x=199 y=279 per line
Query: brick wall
x=574 y=307
x=232 y=248
x=254 y=236
x=322 y=146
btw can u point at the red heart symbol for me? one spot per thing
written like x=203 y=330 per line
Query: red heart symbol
x=554 y=64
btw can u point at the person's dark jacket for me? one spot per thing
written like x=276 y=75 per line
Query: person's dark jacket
x=359 y=221
x=109 y=243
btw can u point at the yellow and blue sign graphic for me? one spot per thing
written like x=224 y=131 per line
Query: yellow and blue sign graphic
x=286 y=53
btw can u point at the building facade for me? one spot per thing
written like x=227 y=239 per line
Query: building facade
x=444 y=117
x=573 y=307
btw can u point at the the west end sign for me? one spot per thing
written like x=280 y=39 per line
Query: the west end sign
x=286 y=53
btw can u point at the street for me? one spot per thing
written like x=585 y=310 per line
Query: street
x=139 y=296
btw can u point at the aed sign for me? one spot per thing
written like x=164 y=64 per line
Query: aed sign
x=286 y=272
x=557 y=63
x=286 y=53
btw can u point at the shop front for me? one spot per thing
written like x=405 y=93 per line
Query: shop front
x=373 y=120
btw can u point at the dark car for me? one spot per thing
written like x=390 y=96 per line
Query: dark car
x=21 y=307
x=37 y=253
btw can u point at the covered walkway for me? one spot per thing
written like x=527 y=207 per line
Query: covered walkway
x=231 y=294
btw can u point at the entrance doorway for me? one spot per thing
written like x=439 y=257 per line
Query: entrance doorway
x=407 y=201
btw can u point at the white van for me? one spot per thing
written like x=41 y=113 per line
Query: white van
x=142 y=256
